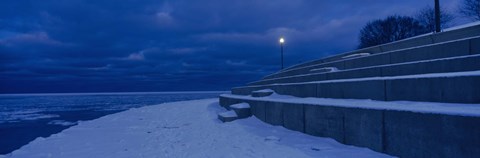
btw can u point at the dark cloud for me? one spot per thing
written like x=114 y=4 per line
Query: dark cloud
x=155 y=45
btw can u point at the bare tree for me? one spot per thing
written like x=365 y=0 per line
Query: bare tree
x=426 y=17
x=471 y=9
x=391 y=29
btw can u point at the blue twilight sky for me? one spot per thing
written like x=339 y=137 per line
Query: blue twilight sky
x=175 y=45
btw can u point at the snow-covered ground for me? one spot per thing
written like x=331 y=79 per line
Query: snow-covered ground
x=183 y=129
x=412 y=106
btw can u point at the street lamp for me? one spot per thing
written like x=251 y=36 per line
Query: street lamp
x=437 y=16
x=282 y=41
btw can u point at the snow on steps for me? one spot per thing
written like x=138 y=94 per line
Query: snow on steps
x=262 y=93
x=442 y=65
x=452 y=48
x=398 y=128
x=452 y=87
x=239 y=111
x=227 y=116
x=242 y=110
x=325 y=69
x=356 y=55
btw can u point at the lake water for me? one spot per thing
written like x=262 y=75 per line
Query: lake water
x=24 y=117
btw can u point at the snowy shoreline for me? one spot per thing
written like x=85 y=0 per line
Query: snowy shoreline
x=183 y=129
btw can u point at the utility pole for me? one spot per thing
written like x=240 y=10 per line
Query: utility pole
x=281 y=49
x=437 y=16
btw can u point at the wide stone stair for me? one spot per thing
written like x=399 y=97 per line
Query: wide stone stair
x=236 y=111
x=395 y=98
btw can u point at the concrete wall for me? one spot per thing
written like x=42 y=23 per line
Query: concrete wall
x=398 y=133
x=325 y=121
x=259 y=109
x=471 y=63
x=409 y=134
x=449 y=89
x=359 y=73
x=474 y=46
x=454 y=65
x=300 y=90
x=274 y=113
x=294 y=117
x=450 y=49
x=460 y=89
x=364 y=127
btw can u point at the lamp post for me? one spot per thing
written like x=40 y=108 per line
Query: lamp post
x=437 y=16
x=282 y=41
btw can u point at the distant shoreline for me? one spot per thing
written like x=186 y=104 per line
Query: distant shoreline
x=111 y=93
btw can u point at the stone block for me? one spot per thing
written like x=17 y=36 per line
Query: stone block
x=364 y=128
x=274 y=113
x=325 y=121
x=293 y=117
x=457 y=34
x=329 y=90
x=460 y=136
x=298 y=90
x=258 y=109
x=242 y=110
x=359 y=73
x=408 y=55
x=415 y=89
x=475 y=46
x=373 y=89
x=405 y=69
x=409 y=134
x=311 y=78
x=228 y=116
x=461 y=89
x=407 y=43
x=438 y=66
x=451 y=49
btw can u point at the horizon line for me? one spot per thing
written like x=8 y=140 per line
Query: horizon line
x=105 y=93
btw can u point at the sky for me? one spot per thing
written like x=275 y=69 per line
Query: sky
x=57 y=46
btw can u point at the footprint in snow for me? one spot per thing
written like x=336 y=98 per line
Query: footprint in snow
x=319 y=148
x=272 y=139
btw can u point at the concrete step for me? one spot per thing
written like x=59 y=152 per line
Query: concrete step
x=242 y=110
x=262 y=93
x=454 y=87
x=454 y=64
x=412 y=129
x=454 y=34
x=462 y=47
x=227 y=116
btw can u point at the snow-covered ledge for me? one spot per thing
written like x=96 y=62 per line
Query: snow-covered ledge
x=399 y=128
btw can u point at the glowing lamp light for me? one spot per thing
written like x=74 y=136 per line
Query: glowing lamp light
x=282 y=40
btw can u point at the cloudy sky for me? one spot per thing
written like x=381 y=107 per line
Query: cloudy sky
x=176 y=45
